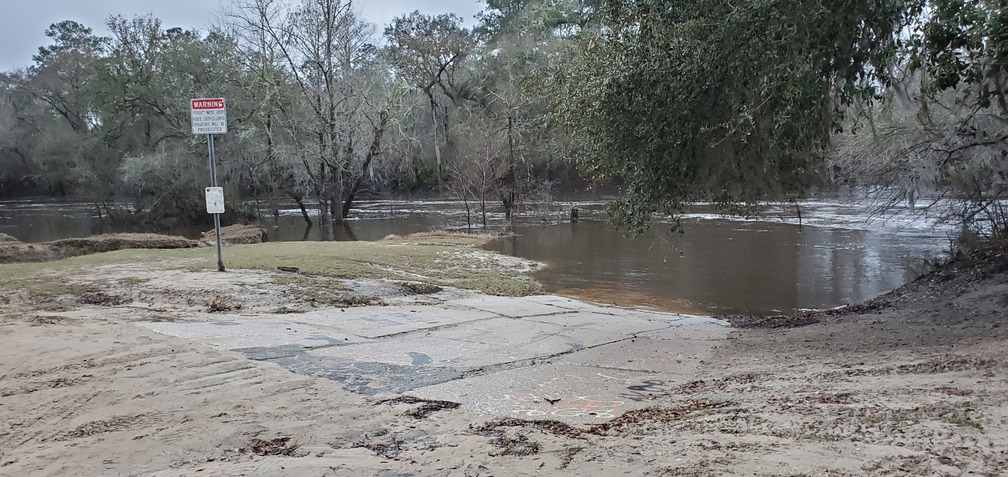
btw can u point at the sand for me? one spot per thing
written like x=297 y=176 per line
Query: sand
x=914 y=383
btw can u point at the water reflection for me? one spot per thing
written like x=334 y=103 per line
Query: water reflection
x=45 y=219
x=293 y=229
x=718 y=266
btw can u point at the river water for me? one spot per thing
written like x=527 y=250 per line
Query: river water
x=716 y=266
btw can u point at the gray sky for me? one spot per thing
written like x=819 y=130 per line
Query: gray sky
x=22 y=22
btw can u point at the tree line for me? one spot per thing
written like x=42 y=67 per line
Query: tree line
x=322 y=108
x=731 y=103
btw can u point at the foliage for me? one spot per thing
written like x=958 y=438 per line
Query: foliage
x=727 y=102
x=735 y=103
x=941 y=133
x=429 y=52
x=961 y=45
x=317 y=111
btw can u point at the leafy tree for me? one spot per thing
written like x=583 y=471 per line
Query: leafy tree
x=62 y=71
x=323 y=49
x=561 y=17
x=19 y=136
x=941 y=133
x=428 y=51
x=60 y=109
x=961 y=45
x=143 y=91
x=523 y=40
x=728 y=102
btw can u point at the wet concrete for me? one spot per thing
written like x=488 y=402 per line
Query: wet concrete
x=544 y=357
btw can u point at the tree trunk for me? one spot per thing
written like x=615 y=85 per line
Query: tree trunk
x=468 y=214
x=336 y=212
x=304 y=211
x=275 y=184
x=373 y=151
x=434 y=122
x=483 y=207
x=510 y=180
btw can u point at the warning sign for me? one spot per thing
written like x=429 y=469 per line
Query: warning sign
x=209 y=115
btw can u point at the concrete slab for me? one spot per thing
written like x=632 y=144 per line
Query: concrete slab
x=506 y=306
x=586 y=394
x=675 y=356
x=379 y=321
x=626 y=324
x=476 y=345
x=528 y=334
x=240 y=333
x=500 y=357
x=571 y=304
x=368 y=378
x=672 y=317
x=415 y=350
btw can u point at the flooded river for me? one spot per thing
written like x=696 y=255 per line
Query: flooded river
x=716 y=266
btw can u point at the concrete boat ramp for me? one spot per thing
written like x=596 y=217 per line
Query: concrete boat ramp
x=539 y=357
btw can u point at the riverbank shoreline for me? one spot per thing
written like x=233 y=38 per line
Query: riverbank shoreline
x=15 y=251
x=913 y=384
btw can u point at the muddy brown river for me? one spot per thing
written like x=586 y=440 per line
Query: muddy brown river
x=717 y=266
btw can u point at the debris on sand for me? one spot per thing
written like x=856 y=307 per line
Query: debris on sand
x=278 y=446
x=426 y=408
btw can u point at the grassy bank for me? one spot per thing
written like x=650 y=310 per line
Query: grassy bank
x=434 y=259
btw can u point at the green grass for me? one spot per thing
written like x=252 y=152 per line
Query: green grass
x=441 y=262
x=434 y=259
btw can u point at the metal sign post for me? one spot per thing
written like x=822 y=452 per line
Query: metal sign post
x=209 y=116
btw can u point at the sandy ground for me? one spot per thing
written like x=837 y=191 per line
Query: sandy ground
x=914 y=383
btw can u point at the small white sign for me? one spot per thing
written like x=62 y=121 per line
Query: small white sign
x=209 y=115
x=215 y=200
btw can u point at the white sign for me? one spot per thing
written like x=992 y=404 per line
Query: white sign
x=215 y=200
x=209 y=115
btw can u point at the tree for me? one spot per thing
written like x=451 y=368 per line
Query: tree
x=60 y=82
x=143 y=92
x=563 y=18
x=322 y=48
x=523 y=39
x=274 y=168
x=428 y=51
x=62 y=71
x=941 y=131
x=19 y=136
x=476 y=173
x=728 y=102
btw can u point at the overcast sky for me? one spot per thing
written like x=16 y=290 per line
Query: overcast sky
x=22 y=22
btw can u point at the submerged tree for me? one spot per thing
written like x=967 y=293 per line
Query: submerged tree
x=521 y=39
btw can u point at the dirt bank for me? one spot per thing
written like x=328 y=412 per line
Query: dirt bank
x=14 y=251
x=913 y=383
x=235 y=234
